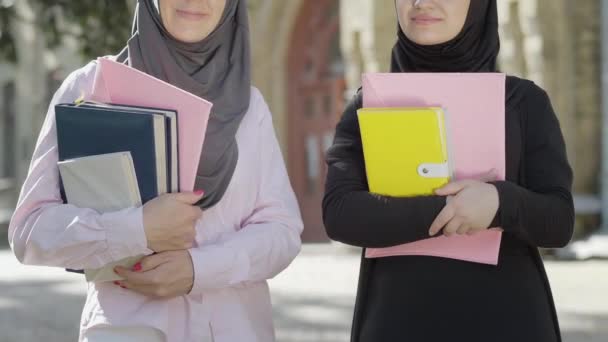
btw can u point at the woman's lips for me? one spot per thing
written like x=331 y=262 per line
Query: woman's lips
x=425 y=19
x=194 y=16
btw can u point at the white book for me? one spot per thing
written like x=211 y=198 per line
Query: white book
x=104 y=183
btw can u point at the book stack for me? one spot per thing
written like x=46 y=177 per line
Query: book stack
x=121 y=148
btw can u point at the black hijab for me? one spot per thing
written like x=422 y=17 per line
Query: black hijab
x=475 y=49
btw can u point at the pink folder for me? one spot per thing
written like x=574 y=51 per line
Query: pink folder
x=475 y=107
x=117 y=83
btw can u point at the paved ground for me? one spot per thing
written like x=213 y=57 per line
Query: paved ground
x=41 y=304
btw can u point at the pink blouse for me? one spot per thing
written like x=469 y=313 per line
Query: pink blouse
x=250 y=236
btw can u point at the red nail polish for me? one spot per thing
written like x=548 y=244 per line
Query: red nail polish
x=137 y=267
x=199 y=192
x=124 y=287
x=116 y=283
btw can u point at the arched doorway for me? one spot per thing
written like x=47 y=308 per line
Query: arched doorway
x=316 y=86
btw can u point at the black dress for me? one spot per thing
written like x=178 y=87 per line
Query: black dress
x=428 y=299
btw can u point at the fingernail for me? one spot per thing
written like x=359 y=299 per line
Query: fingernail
x=116 y=283
x=124 y=287
x=199 y=192
x=137 y=267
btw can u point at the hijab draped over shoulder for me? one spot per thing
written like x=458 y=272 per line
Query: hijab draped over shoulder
x=218 y=69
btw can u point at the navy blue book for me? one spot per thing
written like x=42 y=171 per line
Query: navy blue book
x=85 y=131
x=171 y=135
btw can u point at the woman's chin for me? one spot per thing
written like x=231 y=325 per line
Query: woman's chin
x=190 y=36
x=428 y=38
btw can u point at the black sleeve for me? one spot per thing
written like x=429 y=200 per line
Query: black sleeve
x=542 y=211
x=352 y=214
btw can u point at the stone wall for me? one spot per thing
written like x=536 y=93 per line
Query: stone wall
x=588 y=94
x=272 y=24
x=556 y=43
x=368 y=33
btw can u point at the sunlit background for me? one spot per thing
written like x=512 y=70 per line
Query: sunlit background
x=308 y=56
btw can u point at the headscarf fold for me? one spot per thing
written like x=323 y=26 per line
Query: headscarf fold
x=474 y=49
x=218 y=69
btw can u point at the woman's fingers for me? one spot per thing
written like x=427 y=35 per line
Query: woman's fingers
x=451 y=188
x=463 y=229
x=452 y=227
x=442 y=219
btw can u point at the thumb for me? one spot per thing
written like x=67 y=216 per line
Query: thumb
x=189 y=197
x=450 y=189
x=489 y=176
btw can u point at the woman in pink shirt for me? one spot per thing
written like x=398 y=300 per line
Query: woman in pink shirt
x=215 y=248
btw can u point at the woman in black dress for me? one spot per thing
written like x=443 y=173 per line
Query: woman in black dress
x=429 y=299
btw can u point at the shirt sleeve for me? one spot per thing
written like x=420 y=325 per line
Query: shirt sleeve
x=355 y=216
x=269 y=239
x=43 y=231
x=540 y=211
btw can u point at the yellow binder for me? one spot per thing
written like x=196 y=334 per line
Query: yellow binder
x=405 y=150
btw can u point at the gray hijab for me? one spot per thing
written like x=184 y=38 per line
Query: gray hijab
x=217 y=69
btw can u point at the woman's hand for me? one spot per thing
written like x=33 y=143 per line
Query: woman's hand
x=170 y=219
x=470 y=207
x=163 y=275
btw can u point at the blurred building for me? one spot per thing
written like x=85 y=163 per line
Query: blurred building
x=308 y=57
x=556 y=43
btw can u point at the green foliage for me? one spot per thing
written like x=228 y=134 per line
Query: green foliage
x=101 y=26
x=7 y=48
